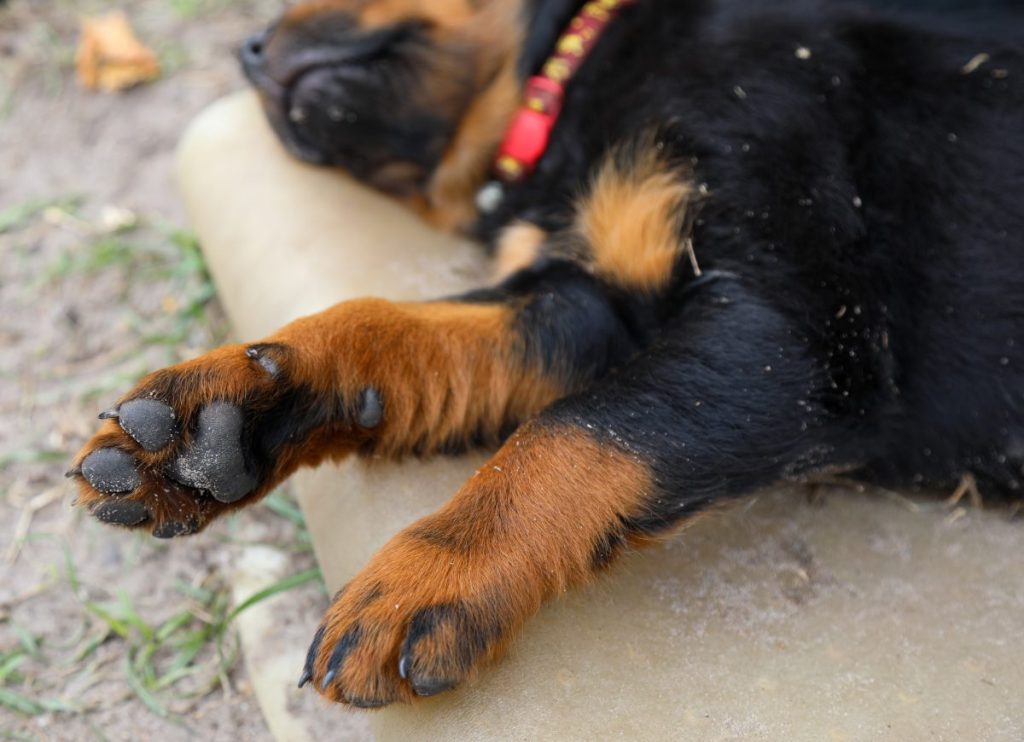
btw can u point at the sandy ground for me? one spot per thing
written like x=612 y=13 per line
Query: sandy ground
x=103 y=634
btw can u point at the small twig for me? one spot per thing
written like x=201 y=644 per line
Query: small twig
x=968 y=486
x=693 y=257
x=902 y=500
x=21 y=529
x=975 y=62
x=955 y=516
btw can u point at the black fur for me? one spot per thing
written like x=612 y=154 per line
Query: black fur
x=861 y=307
x=865 y=214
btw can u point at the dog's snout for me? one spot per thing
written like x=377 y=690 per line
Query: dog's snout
x=252 y=52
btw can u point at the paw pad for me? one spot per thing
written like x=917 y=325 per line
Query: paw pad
x=215 y=462
x=173 y=529
x=149 y=422
x=111 y=471
x=122 y=513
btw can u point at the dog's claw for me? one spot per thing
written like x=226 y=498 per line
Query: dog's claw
x=371 y=409
x=111 y=414
x=306 y=677
x=328 y=679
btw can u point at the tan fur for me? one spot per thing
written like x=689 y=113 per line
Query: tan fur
x=455 y=376
x=478 y=379
x=516 y=506
x=519 y=246
x=451 y=193
x=488 y=36
x=375 y=13
x=633 y=220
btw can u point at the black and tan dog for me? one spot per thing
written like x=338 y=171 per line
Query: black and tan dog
x=764 y=241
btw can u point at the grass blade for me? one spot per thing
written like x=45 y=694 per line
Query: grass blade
x=280 y=586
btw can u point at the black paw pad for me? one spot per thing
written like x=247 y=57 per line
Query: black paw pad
x=111 y=471
x=122 y=512
x=431 y=686
x=363 y=703
x=173 y=529
x=149 y=422
x=215 y=461
x=371 y=408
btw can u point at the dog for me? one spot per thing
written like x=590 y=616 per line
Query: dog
x=744 y=243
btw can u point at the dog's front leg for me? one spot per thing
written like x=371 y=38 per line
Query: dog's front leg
x=368 y=376
x=728 y=400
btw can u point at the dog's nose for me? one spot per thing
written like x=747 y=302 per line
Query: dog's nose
x=252 y=51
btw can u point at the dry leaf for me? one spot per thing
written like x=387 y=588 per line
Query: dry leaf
x=110 y=57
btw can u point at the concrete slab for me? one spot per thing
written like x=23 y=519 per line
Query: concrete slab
x=852 y=616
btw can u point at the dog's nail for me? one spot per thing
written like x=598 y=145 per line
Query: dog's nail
x=403 y=667
x=75 y=472
x=327 y=679
x=371 y=409
x=110 y=414
x=306 y=676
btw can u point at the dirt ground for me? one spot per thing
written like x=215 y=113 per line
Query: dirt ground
x=104 y=634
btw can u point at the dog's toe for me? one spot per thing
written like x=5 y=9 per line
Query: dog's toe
x=122 y=513
x=174 y=529
x=149 y=422
x=111 y=471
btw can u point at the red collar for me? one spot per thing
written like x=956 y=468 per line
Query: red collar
x=527 y=136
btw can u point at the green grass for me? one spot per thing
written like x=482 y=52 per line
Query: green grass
x=145 y=253
x=10 y=675
x=188 y=648
x=35 y=456
x=190 y=9
x=184 y=655
x=20 y=215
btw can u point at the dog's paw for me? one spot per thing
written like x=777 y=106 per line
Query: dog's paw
x=418 y=620
x=208 y=436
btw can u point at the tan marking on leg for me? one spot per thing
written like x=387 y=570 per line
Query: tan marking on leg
x=522 y=530
x=448 y=372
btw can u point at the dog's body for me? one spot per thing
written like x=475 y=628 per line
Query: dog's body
x=764 y=243
x=871 y=194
